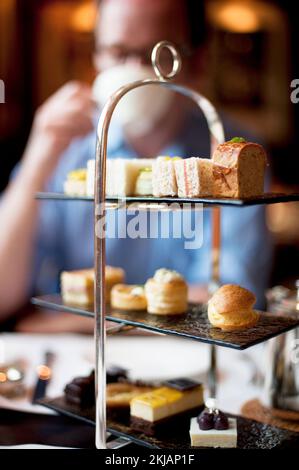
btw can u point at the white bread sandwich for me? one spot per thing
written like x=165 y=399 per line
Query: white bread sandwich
x=194 y=177
x=121 y=175
x=75 y=184
x=77 y=287
x=164 y=179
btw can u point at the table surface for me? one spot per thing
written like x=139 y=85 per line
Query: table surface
x=26 y=428
x=19 y=428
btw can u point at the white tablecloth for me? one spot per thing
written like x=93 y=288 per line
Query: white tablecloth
x=157 y=357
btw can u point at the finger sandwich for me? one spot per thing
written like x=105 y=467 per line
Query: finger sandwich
x=121 y=175
x=164 y=178
x=194 y=177
x=77 y=287
x=75 y=184
x=144 y=182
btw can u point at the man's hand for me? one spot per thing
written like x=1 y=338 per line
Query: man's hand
x=64 y=116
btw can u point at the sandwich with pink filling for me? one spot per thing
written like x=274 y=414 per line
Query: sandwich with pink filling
x=194 y=177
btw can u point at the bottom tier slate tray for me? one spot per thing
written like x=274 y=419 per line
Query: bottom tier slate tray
x=194 y=324
x=251 y=434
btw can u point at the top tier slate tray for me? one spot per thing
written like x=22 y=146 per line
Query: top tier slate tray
x=267 y=198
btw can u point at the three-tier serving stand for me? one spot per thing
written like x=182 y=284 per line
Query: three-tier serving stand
x=102 y=204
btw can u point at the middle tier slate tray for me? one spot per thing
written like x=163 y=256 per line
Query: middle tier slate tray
x=267 y=198
x=194 y=324
x=251 y=434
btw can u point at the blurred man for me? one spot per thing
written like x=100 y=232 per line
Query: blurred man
x=39 y=240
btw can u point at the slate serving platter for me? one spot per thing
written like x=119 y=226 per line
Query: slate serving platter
x=267 y=198
x=194 y=324
x=251 y=434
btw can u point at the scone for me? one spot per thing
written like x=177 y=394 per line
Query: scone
x=239 y=169
x=128 y=297
x=113 y=276
x=194 y=177
x=231 y=308
x=164 y=180
x=75 y=184
x=166 y=293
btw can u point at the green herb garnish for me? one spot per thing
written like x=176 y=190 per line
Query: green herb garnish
x=237 y=140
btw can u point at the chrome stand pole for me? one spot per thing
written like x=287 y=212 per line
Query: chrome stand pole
x=100 y=297
x=217 y=136
x=214 y=284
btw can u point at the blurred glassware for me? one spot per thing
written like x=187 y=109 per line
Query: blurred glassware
x=44 y=373
x=281 y=388
x=12 y=380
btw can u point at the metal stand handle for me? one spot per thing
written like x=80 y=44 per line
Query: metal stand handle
x=216 y=135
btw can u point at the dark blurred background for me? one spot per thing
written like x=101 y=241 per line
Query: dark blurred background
x=253 y=56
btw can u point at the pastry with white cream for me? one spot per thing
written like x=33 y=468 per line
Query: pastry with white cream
x=166 y=293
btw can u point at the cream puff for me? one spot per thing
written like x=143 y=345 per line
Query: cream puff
x=166 y=293
x=231 y=308
x=128 y=297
